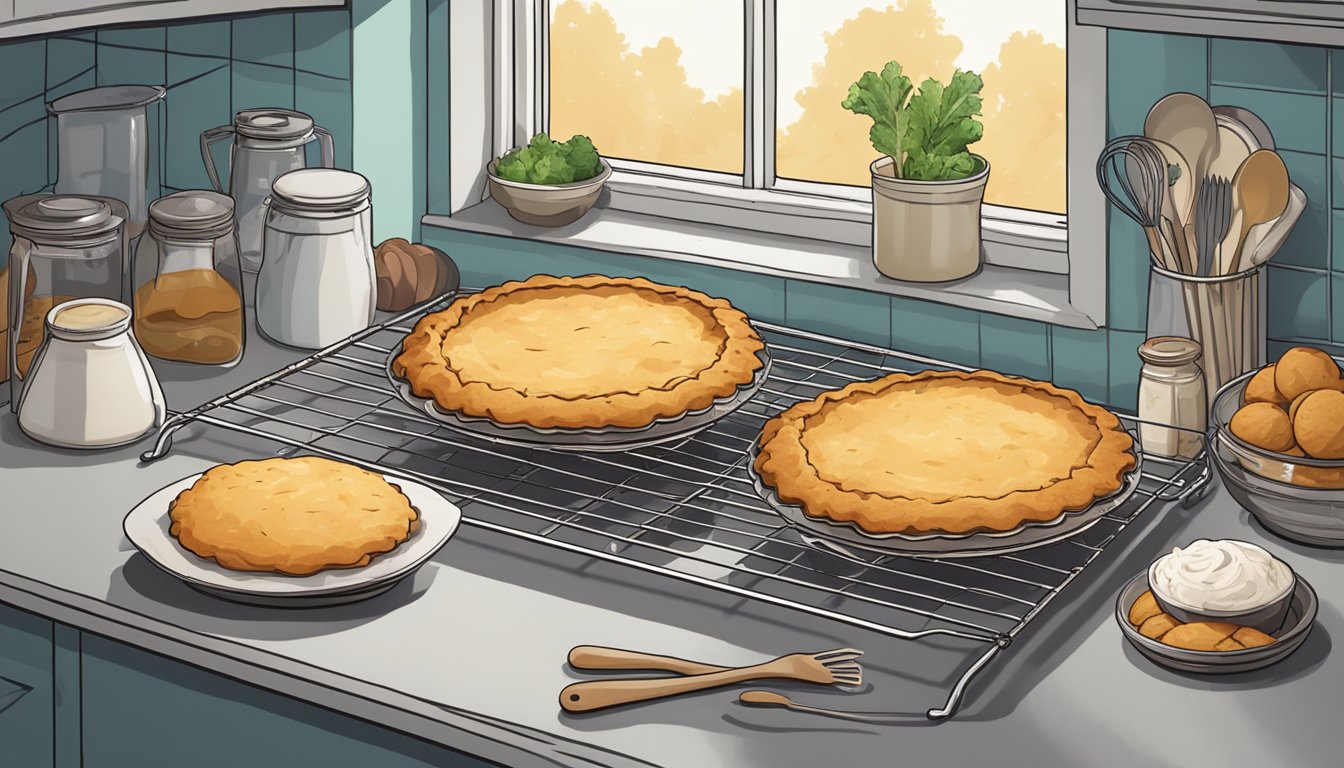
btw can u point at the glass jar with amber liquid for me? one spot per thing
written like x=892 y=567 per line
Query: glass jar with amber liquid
x=188 y=296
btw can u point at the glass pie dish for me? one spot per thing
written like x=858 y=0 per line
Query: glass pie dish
x=1302 y=471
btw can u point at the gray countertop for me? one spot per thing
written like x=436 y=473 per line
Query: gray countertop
x=486 y=626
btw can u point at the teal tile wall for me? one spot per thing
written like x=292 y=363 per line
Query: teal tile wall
x=211 y=69
x=1299 y=92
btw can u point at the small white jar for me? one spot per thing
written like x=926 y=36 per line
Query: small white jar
x=90 y=385
x=1171 y=391
x=317 y=284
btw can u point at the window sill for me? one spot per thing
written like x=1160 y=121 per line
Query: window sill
x=1002 y=290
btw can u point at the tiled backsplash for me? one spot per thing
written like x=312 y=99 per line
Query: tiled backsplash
x=298 y=60
x=306 y=60
x=1299 y=92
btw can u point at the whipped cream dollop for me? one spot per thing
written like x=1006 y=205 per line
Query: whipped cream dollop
x=1221 y=576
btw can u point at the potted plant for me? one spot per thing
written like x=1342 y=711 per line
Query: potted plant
x=548 y=183
x=927 y=188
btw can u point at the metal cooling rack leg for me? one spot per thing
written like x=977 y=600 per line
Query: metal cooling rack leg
x=959 y=690
x=164 y=442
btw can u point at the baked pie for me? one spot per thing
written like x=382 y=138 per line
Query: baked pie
x=293 y=516
x=944 y=452
x=580 y=352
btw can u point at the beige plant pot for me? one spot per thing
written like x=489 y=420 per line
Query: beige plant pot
x=926 y=231
x=546 y=205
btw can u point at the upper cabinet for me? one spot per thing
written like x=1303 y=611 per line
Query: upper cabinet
x=1314 y=22
x=19 y=18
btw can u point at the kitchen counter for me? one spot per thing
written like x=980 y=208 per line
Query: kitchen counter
x=470 y=652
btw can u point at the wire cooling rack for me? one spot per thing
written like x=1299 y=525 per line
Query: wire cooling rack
x=686 y=509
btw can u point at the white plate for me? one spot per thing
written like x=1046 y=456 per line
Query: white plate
x=147 y=528
x=839 y=535
x=605 y=439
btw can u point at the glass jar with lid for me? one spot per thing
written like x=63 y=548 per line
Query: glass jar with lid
x=267 y=143
x=188 y=297
x=65 y=247
x=1171 y=392
x=317 y=283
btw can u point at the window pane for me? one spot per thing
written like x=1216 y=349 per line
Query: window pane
x=1017 y=47
x=655 y=82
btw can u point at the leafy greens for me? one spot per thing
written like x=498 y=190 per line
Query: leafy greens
x=924 y=133
x=544 y=161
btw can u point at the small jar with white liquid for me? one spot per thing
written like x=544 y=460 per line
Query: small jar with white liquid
x=1171 y=392
x=90 y=385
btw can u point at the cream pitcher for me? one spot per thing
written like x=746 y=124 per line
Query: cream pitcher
x=268 y=143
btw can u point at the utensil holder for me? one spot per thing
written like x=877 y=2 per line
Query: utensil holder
x=1222 y=313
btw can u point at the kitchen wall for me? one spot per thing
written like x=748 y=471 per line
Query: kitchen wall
x=375 y=76
x=1299 y=92
x=299 y=60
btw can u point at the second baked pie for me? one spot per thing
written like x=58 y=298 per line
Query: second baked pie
x=580 y=352
x=944 y=452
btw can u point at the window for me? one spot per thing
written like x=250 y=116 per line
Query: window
x=729 y=113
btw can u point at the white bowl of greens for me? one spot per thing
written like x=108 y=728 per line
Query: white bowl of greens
x=548 y=183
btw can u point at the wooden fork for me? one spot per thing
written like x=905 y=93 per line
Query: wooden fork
x=834 y=667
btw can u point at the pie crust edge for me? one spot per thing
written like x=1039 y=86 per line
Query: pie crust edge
x=782 y=464
x=422 y=365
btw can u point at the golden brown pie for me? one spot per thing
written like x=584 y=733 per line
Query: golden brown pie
x=944 y=452
x=294 y=516
x=578 y=352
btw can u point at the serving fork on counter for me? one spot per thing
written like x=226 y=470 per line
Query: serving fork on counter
x=834 y=667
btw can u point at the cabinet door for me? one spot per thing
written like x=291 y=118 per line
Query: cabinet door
x=27 y=707
x=145 y=710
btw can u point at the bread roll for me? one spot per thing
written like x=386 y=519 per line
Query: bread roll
x=1263 y=425
x=1302 y=369
x=1261 y=389
x=1319 y=425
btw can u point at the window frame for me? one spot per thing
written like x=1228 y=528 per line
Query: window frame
x=507 y=40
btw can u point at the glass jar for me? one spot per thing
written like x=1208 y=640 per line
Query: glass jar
x=267 y=143
x=91 y=386
x=106 y=145
x=189 y=293
x=1171 y=392
x=65 y=247
x=317 y=284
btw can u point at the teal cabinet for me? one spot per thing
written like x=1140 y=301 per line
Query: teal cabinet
x=27 y=691
x=148 y=711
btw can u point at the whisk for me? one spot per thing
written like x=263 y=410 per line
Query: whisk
x=1133 y=175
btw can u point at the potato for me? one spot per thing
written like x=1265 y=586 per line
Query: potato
x=1297 y=403
x=1319 y=426
x=1263 y=425
x=1261 y=389
x=1302 y=369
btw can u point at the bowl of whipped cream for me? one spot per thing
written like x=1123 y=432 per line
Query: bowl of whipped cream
x=1223 y=580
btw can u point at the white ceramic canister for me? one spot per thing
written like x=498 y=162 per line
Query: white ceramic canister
x=1171 y=391
x=317 y=284
x=90 y=385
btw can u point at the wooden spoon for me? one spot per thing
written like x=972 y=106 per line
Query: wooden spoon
x=1186 y=122
x=1259 y=194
